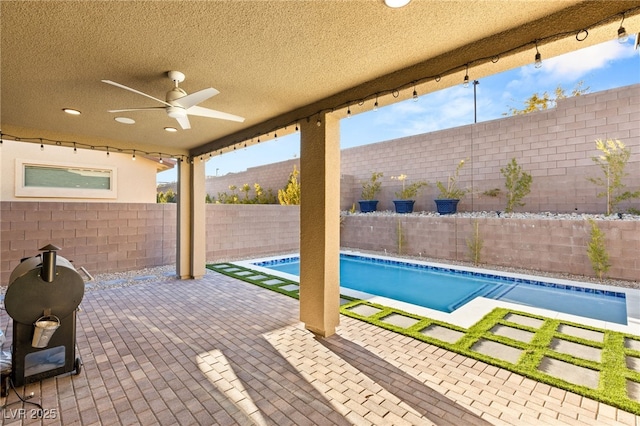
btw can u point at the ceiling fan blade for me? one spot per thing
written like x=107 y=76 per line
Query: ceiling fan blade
x=113 y=83
x=184 y=122
x=212 y=113
x=138 y=109
x=195 y=98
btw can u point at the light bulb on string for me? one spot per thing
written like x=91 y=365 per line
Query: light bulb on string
x=415 y=95
x=41 y=147
x=75 y=150
x=465 y=82
x=622 y=33
x=133 y=157
x=538 y=58
x=348 y=111
x=375 y=105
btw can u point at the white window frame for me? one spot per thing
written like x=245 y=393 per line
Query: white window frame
x=21 y=190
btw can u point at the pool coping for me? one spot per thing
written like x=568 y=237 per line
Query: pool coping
x=471 y=312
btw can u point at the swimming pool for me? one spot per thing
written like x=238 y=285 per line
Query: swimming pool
x=447 y=289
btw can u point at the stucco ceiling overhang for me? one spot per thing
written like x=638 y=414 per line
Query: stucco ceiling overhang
x=274 y=62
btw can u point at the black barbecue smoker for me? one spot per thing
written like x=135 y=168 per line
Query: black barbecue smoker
x=42 y=298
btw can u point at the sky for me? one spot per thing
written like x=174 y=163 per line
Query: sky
x=600 y=67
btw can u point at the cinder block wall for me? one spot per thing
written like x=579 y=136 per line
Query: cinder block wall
x=119 y=237
x=237 y=231
x=101 y=237
x=271 y=176
x=538 y=244
x=555 y=146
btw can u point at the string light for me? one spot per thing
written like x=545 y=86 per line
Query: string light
x=375 y=106
x=41 y=147
x=75 y=150
x=538 y=58
x=622 y=33
x=133 y=158
x=415 y=94
x=465 y=82
x=349 y=112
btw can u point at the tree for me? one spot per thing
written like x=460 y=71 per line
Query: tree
x=613 y=160
x=541 y=102
x=290 y=195
x=518 y=184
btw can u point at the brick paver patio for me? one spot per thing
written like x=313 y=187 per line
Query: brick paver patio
x=221 y=351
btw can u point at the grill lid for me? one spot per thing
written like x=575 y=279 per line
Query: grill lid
x=29 y=293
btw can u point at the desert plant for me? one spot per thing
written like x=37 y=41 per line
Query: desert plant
x=409 y=192
x=597 y=251
x=371 y=187
x=612 y=162
x=475 y=243
x=518 y=184
x=451 y=190
x=290 y=195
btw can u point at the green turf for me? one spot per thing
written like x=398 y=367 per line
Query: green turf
x=614 y=374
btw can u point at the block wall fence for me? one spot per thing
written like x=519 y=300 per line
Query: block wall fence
x=555 y=146
x=119 y=237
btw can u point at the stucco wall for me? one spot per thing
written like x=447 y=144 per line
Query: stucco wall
x=136 y=181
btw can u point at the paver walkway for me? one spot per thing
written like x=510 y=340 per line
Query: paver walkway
x=221 y=351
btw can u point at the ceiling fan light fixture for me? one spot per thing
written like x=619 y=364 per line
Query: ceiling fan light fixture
x=71 y=111
x=125 y=120
x=176 y=112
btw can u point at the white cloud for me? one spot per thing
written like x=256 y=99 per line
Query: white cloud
x=574 y=65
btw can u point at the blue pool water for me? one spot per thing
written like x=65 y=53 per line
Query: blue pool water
x=447 y=289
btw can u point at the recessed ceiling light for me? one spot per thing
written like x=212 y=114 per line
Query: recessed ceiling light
x=171 y=129
x=396 y=3
x=125 y=120
x=71 y=111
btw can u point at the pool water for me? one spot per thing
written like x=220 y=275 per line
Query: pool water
x=447 y=289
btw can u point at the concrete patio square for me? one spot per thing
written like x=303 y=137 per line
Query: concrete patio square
x=218 y=351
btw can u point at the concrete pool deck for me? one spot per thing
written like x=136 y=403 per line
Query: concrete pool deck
x=221 y=351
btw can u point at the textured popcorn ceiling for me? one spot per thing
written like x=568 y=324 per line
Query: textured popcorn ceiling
x=272 y=61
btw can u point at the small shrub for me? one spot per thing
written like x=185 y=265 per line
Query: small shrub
x=409 y=192
x=290 y=195
x=474 y=244
x=451 y=190
x=371 y=187
x=518 y=184
x=612 y=161
x=597 y=251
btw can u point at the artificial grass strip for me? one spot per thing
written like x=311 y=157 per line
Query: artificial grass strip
x=614 y=374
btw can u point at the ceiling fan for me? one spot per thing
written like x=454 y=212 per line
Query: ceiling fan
x=179 y=104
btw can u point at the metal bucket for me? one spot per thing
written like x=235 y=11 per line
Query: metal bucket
x=44 y=329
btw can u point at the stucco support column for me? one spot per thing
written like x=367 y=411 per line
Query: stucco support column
x=191 y=227
x=320 y=224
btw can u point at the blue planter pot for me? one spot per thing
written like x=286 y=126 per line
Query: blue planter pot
x=368 y=206
x=446 y=206
x=404 y=206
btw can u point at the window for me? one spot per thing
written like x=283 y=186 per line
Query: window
x=56 y=180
